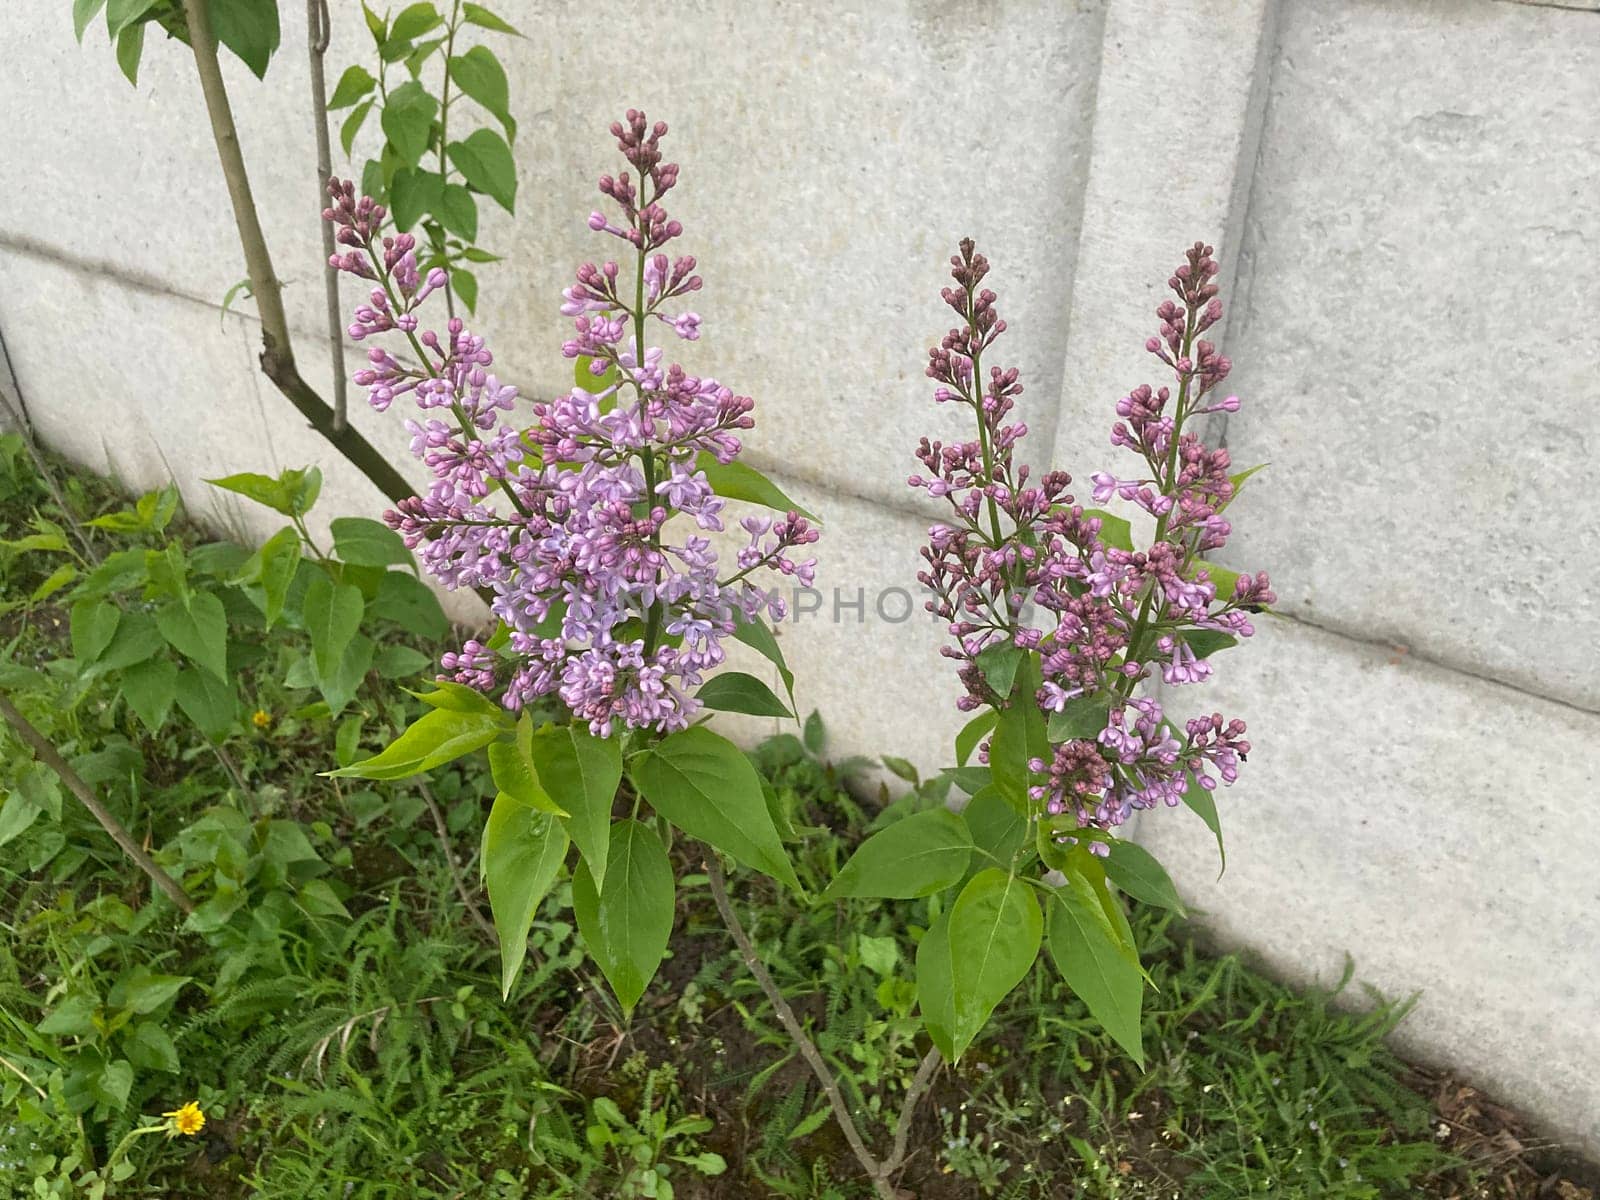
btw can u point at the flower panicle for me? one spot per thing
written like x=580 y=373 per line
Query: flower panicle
x=1019 y=563
x=589 y=526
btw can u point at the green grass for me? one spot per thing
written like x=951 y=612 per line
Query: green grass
x=367 y=1053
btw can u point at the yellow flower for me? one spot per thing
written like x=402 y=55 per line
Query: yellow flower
x=261 y=718
x=188 y=1120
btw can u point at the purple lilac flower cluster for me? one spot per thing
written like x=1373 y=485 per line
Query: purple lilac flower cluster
x=566 y=523
x=1103 y=617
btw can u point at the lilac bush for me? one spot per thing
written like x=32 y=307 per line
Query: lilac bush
x=1057 y=622
x=566 y=522
x=587 y=522
x=1022 y=568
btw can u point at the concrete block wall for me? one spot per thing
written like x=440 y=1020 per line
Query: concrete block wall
x=1406 y=198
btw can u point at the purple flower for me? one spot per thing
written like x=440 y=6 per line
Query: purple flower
x=1018 y=563
x=571 y=523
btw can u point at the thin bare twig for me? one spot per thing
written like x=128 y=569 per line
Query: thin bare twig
x=277 y=352
x=319 y=32
x=23 y=1075
x=51 y=757
x=808 y=1049
x=462 y=890
x=902 y=1131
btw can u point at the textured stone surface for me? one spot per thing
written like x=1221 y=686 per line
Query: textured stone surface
x=868 y=657
x=1431 y=826
x=1416 y=344
x=171 y=392
x=1161 y=176
x=831 y=162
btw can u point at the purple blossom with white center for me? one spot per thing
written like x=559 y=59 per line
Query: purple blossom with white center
x=583 y=527
x=1018 y=566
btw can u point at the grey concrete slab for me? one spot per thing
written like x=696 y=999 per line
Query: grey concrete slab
x=1435 y=828
x=831 y=163
x=1416 y=349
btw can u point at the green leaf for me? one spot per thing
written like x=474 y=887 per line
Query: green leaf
x=458 y=697
x=627 y=920
x=54 y=582
x=581 y=774
x=1114 y=530
x=340 y=685
x=1019 y=735
x=936 y=986
x=1135 y=870
x=1094 y=965
x=706 y=786
x=115 y=1080
x=522 y=854
x=457 y=211
x=207 y=701
x=136 y=639
x=971 y=780
x=83 y=11
x=414 y=21
x=150 y=688
x=901 y=768
x=249 y=28
x=400 y=662
x=284 y=494
x=973 y=733
x=480 y=16
x=999 y=665
x=485 y=162
x=815 y=734
x=1201 y=801
x=149 y=1048
x=142 y=991
x=466 y=285
x=734 y=691
x=94 y=624
x=365 y=543
x=18 y=814
x=1238 y=480
x=479 y=75
x=273 y=567
x=433 y=739
x=199 y=631
x=353 y=123
x=377 y=26
x=737 y=481
x=421 y=54
x=1206 y=642
x=73 y=1017
x=240 y=288
x=355 y=83
x=995 y=931
x=130 y=48
x=584 y=379
x=413 y=195
x=916 y=856
x=122 y=13
x=410 y=604
x=407 y=120
x=1081 y=718
x=511 y=766
x=332 y=614
x=756 y=635
x=997 y=828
